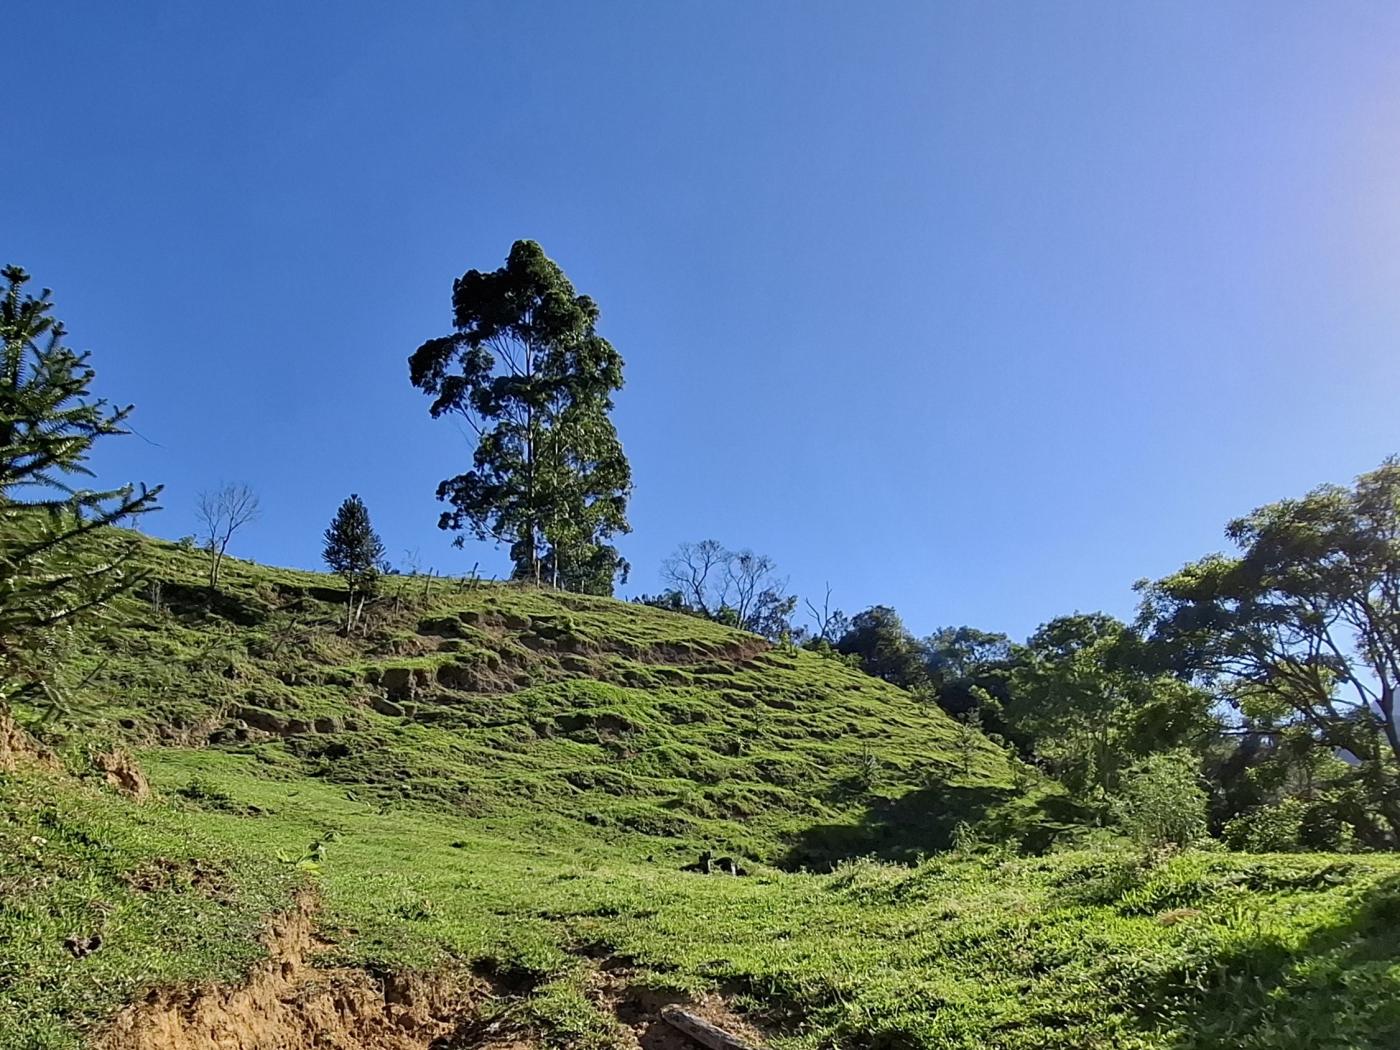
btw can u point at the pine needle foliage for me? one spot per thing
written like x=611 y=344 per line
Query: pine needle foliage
x=51 y=576
x=354 y=552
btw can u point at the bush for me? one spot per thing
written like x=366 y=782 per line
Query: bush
x=1292 y=825
x=1268 y=829
x=1161 y=802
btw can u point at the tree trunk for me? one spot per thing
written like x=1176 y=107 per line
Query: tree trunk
x=349 y=608
x=1389 y=806
x=530 y=451
x=1387 y=709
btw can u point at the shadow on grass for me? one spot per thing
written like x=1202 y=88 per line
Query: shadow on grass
x=196 y=602
x=927 y=819
x=1338 y=988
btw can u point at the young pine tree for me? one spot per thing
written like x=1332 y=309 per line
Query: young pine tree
x=354 y=552
x=57 y=567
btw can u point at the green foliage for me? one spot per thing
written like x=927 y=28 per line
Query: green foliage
x=1082 y=696
x=171 y=905
x=1303 y=627
x=528 y=827
x=353 y=551
x=528 y=371
x=485 y=698
x=885 y=648
x=954 y=654
x=1268 y=829
x=1080 y=693
x=956 y=952
x=49 y=423
x=1160 y=801
x=969 y=735
x=1292 y=825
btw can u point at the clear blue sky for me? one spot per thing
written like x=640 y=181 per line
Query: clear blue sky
x=979 y=310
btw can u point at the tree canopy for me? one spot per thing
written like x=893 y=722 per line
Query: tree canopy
x=885 y=648
x=1302 y=627
x=526 y=368
x=354 y=552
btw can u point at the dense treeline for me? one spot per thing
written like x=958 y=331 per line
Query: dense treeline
x=1271 y=674
x=1262 y=685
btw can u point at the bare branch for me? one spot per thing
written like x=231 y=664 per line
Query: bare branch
x=221 y=513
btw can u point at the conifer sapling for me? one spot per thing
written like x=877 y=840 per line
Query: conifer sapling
x=354 y=552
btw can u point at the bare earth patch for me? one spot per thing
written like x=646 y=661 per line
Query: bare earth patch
x=289 y=1004
x=18 y=747
x=638 y=1011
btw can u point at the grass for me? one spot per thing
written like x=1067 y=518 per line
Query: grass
x=1072 y=949
x=169 y=905
x=488 y=700
x=534 y=827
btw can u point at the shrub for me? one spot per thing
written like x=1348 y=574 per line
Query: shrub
x=1160 y=801
x=1267 y=829
x=1292 y=825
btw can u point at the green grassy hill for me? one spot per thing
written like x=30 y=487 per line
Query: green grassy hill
x=571 y=714
x=506 y=784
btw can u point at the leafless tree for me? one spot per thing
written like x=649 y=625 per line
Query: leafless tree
x=222 y=512
x=738 y=587
x=828 y=624
x=748 y=578
x=695 y=570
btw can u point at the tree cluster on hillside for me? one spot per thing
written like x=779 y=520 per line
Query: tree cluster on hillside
x=1276 y=669
x=1300 y=634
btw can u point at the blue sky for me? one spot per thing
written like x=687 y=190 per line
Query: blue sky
x=979 y=310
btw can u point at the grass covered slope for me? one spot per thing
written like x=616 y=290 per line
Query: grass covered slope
x=511 y=781
x=958 y=952
x=490 y=701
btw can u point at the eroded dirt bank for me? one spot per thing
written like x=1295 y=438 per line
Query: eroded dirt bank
x=288 y=1004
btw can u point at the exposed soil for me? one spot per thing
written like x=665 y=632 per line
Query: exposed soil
x=121 y=772
x=10 y=743
x=290 y=1004
x=17 y=747
x=638 y=1011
